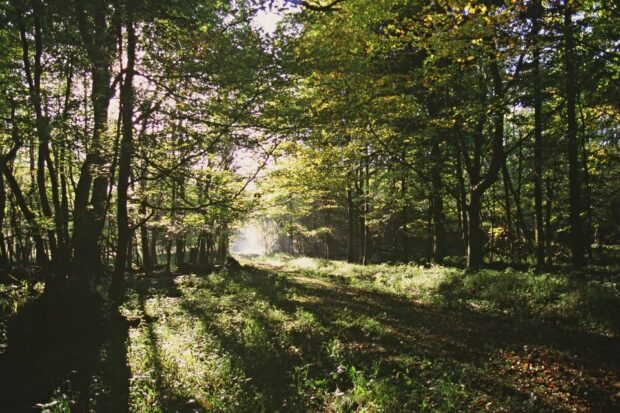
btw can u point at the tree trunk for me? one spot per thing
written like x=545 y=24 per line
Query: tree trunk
x=539 y=233
x=587 y=196
x=153 y=257
x=437 y=208
x=203 y=257
x=364 y=178
x=33 y=79
x=351 y=224
x=4 y=260
x=478 y=184
x=508 y=211
x=180 y=251
x=89 y=214
x=474 y=247
x=462 y=199
x=576 y=240
x=41 y=255
x=126 y=149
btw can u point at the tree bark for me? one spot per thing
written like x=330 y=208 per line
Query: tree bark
x=351 y=227
x=4 y=259
x=539 y=233
x=437 y=208
x=33 y=79
x=574 y=184
x=126 y=148
x=89 y=214
x=480 y=184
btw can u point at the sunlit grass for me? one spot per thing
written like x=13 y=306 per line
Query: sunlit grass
x=314 y=335
x=406 y=279
x=591 y=303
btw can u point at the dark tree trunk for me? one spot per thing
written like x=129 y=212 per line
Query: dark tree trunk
x=437 y=209
x=41 y=255
x=91 y=190
x=479 y=184
x=153 y=260
x=574 y=200
x=180 y=251
x=474 y=247
x=203 y=256
x=351 y=227
x=462 y=199
x=587 y=196
x=365 y=179
x=4 y=259
x=539 y=233
x=548 y=212
x=126 y=149
x=168 y=255
x=508 y=211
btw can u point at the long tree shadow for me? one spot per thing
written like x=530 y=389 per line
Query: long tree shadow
x=433 y=332
x=167 y=397
x=268 y=366
x=52 y=339
x=66 y=342
x=376 y=329
x=462 y=332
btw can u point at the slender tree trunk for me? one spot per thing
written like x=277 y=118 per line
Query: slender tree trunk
x=4 y=259
x=41 y=256
x=203 y=257
x=365 y=195
x=539 y=233
x=153 y=261
x=478 y=184
x=180 y=250
x=576 y=233
x=548 y=212
x=587 y=196
x=462 y=199
x=474 y=247
x=508 y=211
x=126 y=148
x=437 y=207
x=20 y=256
x=168 y=255
x=351 y=225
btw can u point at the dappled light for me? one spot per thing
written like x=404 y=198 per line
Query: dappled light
x=338 y=206
x=283 y=335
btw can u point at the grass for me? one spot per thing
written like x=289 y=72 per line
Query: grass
x=297 y=334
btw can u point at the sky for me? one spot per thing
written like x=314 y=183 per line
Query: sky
x=267 y=20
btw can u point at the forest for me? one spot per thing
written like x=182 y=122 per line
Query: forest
x=309 y=205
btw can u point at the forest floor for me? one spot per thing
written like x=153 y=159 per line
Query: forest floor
x=298 y=334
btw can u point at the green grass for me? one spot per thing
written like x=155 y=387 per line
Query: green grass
x=298 y=335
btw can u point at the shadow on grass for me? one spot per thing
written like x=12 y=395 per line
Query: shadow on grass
x=52 y=339
x=457 y=335
x=67 y=348
x=414 y=348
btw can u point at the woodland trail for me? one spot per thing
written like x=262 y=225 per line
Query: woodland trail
x=266 y=338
